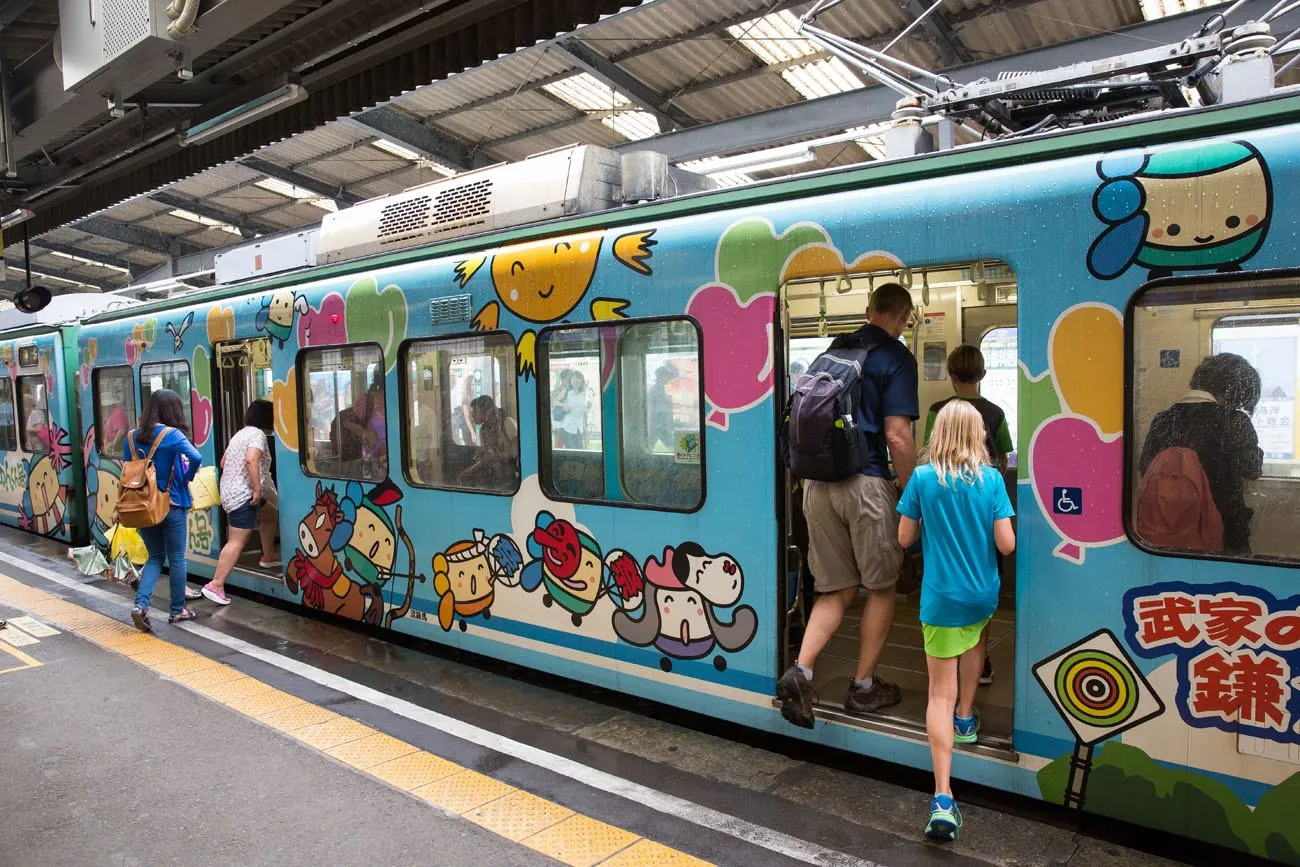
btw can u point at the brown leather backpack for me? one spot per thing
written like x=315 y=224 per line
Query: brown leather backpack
x=141 y=502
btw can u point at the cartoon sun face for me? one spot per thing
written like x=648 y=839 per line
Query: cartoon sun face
x=543 y=281
x=470 y=579
x=1215 y=209
x=43 y=486
x=681 y=616
x=106 y=498
x=374 y=542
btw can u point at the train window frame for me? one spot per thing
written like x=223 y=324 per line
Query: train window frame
x=23 y=412
x=304 y=428
x=1211 y=286
x=544 y=438
x=96 y=407
x=187 y=399
x=8 y=444
x=403 y=385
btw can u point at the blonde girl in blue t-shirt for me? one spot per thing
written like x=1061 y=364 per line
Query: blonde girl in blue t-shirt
x=962 y=502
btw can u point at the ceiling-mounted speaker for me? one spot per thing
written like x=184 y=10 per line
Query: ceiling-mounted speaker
x=33 y=299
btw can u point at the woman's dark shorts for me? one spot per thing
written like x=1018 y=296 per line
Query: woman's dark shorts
x=243 y=518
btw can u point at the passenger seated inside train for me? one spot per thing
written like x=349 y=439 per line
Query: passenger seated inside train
x=359 y=433
x=1197 y=456
x=496 y=460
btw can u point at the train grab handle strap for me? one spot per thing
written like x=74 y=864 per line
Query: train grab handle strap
x=141 y=503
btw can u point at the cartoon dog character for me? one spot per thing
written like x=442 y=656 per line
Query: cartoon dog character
x=279 y=310
x=1187 y=209
x=465 y=576
x=544 y=281
x=682 y=597
x=45 y=499
x=568 y=562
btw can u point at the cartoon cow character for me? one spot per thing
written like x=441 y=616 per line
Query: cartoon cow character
x=279 y=310
x=466 y=574
x=683 y=594
x=568 y=562
x=1187 y=209
x=45 y=498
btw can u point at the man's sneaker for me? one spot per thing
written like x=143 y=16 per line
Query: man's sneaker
x=945 y=819
x=986 y=676
x=140 y=617
x=881 y=695
x=797 y=697
x=966 y=730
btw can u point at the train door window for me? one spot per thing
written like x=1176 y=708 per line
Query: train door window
x=34 y=410
x=8 y=425
x=462 y=413
x=1215 y=367
x=172 y=375
x=115 y=414
x=343 y=412
x=1001 y=374
x=620 y=413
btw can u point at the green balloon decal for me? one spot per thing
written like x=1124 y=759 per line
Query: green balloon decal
x=378 y=317
x=202 y=372
x=150 y=330
x=751 y=254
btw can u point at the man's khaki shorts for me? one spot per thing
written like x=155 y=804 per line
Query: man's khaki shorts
x=852 y=533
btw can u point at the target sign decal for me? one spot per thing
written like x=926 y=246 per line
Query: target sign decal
x=1097 y=689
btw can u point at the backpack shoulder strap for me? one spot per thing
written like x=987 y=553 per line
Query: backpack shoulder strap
x=157 y=442
x=130 y=441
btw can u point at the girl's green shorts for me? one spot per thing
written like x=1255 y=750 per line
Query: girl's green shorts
x=945 y=642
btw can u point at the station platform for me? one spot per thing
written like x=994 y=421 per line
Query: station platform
x=258 y=736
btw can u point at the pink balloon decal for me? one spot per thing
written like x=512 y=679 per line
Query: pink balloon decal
x=202 y=408
x=85 y=375
x=737 y=349
x=131 y=352
x=1069 y=453
x=326 y=325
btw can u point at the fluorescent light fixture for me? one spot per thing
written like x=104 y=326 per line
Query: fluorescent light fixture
x=41 y=275
x=244 y=114
x=394 y=149
x=14 y=218
x=192 y=217
x=293 y=191
x=764 y=160
x=83 y=260
x=589 y=94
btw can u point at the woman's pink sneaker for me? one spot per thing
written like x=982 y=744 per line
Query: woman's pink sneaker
x=215 y=594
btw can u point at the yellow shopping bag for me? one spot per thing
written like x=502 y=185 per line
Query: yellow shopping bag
x=126 y=541
x=204 y=490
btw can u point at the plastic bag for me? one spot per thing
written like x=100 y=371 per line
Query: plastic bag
x=126 y=542
x=204 y=490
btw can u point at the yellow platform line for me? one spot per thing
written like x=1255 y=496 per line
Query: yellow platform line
x=498 y=807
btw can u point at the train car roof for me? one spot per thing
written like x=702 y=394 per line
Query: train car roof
x=1142 y=130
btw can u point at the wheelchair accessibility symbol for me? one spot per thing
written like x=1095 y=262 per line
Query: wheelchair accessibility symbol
x=1067 y=501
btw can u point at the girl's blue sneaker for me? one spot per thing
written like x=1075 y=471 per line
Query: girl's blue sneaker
x=966 y=730
x=945 y=819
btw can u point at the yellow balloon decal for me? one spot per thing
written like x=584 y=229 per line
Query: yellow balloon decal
x=221 y=324
x=284 y=397
x=1087 y=353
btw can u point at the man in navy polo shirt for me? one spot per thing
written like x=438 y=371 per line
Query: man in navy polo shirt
x=853 y=524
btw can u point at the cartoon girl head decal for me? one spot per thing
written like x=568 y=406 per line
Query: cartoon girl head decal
x=1187 y=209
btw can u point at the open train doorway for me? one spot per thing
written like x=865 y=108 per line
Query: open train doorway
x=972 y=302
x=243 y=376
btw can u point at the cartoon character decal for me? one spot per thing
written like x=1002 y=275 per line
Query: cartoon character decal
x=178 y=331
x=466 y=574
x=45 y=499
x=279 y=310
x=102 y=490
x=348 y=547
x=1186 y=209
x=544 y=281
x=680 y=604
x=568 y=562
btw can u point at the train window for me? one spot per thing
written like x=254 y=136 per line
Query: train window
x=1215 y=371
x=34 y=410
x=343 y=412
x=462 y=417
x=8 y=426
x=1001 y=376
x=114 y=390
x=172 y=375
x=620 y=413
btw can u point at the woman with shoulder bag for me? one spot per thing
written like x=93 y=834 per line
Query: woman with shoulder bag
x=177 y=461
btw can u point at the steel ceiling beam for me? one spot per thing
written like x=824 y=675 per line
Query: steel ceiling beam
x=610 y=73
x=13 y=10
x=399 y=127
x=246 y=223
x=832 y=114
x=951 y=49
x=326 y=191
x=134 y=236
x=68 y=250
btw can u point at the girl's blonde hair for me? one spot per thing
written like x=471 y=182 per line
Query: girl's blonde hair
x=957 y=446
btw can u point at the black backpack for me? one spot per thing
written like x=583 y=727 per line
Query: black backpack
x=821 y=438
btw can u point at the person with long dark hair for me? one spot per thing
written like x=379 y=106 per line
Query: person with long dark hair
x=176 y=462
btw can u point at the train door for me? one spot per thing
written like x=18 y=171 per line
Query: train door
x=243 y=376
x=957 y=303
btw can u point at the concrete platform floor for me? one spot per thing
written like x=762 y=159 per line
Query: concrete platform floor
x=106 y=762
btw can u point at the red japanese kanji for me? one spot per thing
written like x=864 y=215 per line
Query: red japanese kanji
x=1283 y=630
x=1229 y=619
x=1166 y=618
x=1250 y=688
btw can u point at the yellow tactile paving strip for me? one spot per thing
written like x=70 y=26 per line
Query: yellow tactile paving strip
x=537 y=823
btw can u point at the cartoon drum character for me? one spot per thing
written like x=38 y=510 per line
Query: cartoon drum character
x=465 y=576
x=1188 y=209
x=568 y=562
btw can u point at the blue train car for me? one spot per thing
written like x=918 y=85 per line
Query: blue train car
x=555 y=445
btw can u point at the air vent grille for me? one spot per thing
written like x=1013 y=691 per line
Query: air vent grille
x=468 y=204
x=402 y=218
x=451 y=309
x=125 y=23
